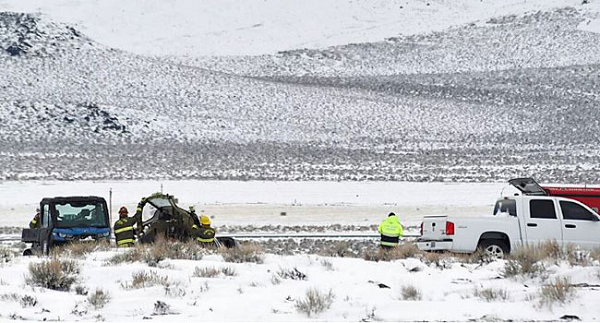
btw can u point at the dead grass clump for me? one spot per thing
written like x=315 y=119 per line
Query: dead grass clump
x=24 y=300
x=154 y=253
x=229 y=271
x=161 y=308
x=315 y=302
x=275 y=280
x=161 y=250
x=293 y=274
x=403 y=251
x=54 y=274
x=130 y=255
x=6 y=255
x=438 y=259
x=560 y=290
x=480 y=256
x=342 y=249
x=551 y=250
x=410 y=293
x=79 y=249
x=244 y=253
x=143 y=279
x=98 y=299
x=207 y=272
x=594 y=255
x=407 y=250
x=526 y=260
x=327 y=264
x=492 y=294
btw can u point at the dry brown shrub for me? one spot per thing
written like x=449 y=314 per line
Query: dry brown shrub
x=99 y=298
x=54 y=274
x=411 y=293
x=156 y=252
x=130 y=255
x=207 y=272
x=492 y=294
x=403 y=251
x=595 y=254
x=243 y=253
x=315 y=302
x=144 y=279
x=551 y=250
x=79 y=249
x=560 y=290
x=525 y=260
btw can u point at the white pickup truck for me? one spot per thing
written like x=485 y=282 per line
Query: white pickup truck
x=527 y=218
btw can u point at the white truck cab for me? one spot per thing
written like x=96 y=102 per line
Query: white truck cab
x=529 y=218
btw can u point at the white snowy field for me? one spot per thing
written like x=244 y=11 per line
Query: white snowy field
x=257 y=292
x=261 y=203
x=253 y=27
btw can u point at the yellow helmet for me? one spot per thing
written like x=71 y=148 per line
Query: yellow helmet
x=204 y=220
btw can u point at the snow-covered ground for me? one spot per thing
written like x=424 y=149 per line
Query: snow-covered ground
x=261 y=203
x=452 y=291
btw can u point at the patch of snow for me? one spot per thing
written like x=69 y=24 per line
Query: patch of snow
x=591 y=25
x=252 y=27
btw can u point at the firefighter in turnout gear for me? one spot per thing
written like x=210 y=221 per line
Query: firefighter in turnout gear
x=124 y=231
x=35 y=222
x=204 y=234
x=391 y=230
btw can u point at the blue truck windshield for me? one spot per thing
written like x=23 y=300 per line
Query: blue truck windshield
x=81 y=214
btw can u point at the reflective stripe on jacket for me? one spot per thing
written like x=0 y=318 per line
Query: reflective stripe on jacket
x=391 y=230
x=204 y=234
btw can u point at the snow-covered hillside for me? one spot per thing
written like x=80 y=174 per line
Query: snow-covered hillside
x=490 y=91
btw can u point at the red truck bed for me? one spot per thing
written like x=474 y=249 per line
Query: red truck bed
x=587 y=196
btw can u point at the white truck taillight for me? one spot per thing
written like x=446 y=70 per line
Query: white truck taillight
x=449 y=228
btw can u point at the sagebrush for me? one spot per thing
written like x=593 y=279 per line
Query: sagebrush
x=79 y=249
x=492 y=294
x=403 y=251
x=244 y=253
x=315 y=302
x=560 y=290
x=410 y=293
x=54 y=274
x=99 y=298
x=526 y=260
x=154 y=253
x=144 y=279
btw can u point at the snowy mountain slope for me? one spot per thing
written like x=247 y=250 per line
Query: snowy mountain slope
x=253 y=27
x=91 y=112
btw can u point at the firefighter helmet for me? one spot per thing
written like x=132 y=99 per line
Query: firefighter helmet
x=123 y=211
x=205 y=220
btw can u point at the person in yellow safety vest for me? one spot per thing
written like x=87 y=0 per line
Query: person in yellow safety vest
x=391 y=230
x=204 y=234
x=123 y=228
x=35 y=222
